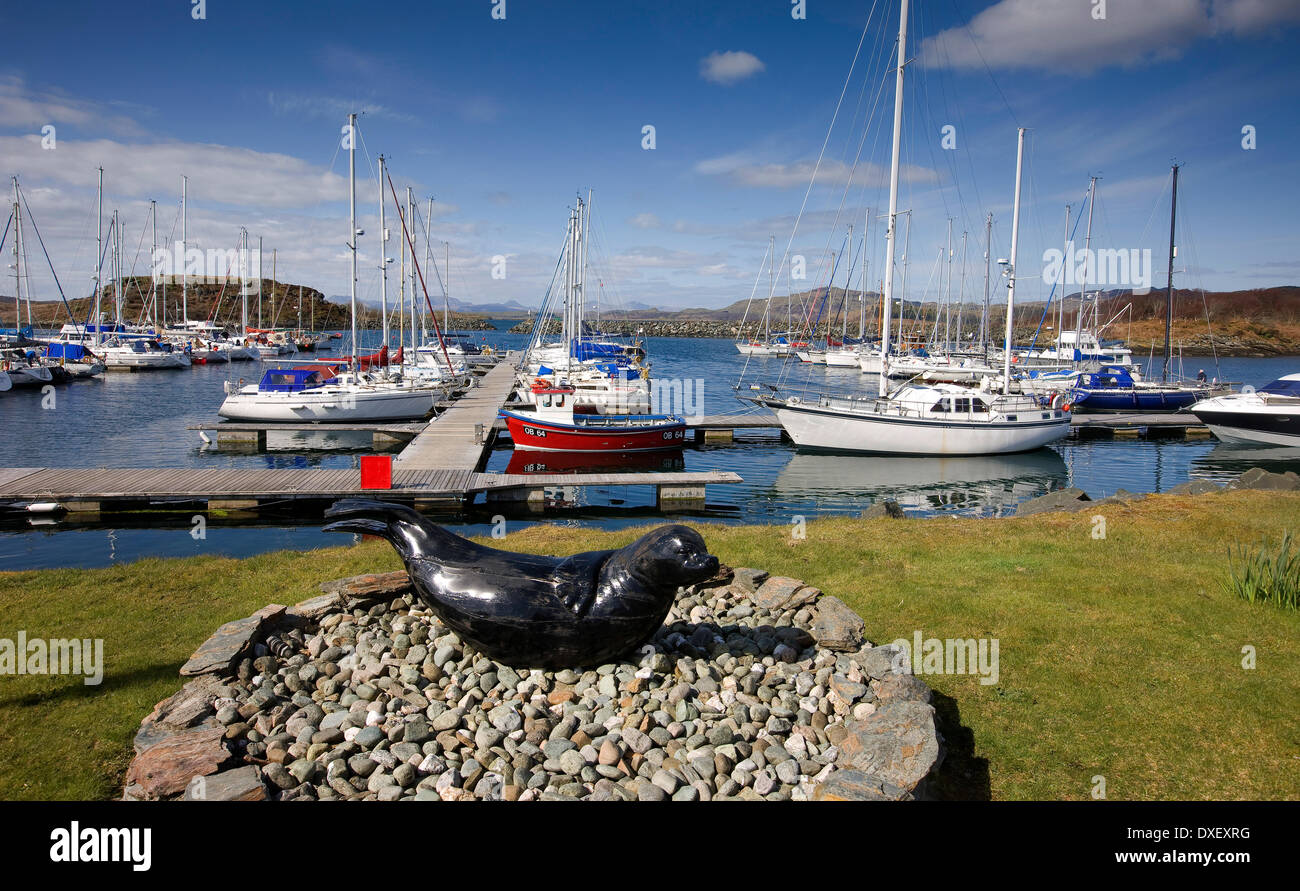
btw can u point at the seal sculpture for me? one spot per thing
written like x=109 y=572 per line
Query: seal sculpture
x=534 y=611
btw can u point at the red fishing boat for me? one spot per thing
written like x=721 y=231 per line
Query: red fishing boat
x=553 y=426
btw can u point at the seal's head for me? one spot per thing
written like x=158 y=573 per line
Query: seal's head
x=672 y=557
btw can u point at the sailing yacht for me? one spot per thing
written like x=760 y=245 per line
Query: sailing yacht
x=319 y=393
x=606 y=378
x=919 y=419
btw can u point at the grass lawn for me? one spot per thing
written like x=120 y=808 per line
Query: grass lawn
x=1119 y=657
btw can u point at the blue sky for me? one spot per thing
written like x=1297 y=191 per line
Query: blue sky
x=505 y=121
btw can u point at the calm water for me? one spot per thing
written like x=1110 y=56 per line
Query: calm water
x=140 y=420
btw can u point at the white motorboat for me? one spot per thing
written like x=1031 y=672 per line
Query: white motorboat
x=1268 y=416
x=141 y=354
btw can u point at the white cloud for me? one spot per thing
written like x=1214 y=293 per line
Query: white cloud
x=729 y=67
x=744 y=172
x=1062 y=35
x=220 y=173
x=645 y=221
x=22 y=107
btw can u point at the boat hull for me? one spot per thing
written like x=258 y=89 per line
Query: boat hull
x=1253 y=427
x=1136 y=400
x=811 y=428
x=332 y=405
x=548 y=436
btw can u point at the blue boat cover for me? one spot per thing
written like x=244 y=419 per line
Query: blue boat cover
x=290 y=380
x=73 y=352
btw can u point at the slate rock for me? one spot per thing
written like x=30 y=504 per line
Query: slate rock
x=1069 y=499
x=898 y=744
x=221 y=651
x=837 y=627
x=891 y=509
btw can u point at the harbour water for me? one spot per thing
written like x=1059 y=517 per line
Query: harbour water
x=140 y=420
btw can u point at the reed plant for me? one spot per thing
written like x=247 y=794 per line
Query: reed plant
x=1266 y=575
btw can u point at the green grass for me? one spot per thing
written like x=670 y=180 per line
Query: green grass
x=1120 y=657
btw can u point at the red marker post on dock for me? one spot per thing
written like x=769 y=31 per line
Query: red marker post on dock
x=376 y=471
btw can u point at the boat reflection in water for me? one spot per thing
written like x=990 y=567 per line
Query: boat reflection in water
x=1228 y=460
x=595 y=462
x=983 y=485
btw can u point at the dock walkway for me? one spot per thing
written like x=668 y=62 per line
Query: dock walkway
x=460 y=437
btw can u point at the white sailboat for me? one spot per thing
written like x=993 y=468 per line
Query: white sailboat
x=623 y=389
x=316 y=392
x=939 y=419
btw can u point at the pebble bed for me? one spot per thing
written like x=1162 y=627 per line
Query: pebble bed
x=728 y=700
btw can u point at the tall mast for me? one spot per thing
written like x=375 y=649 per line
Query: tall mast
x=117 y=264
x=401 y=285
x=352 y=235
x=410 y=215
x=185 y=306
x=259 y=281
x=771 y=286
x=848 y=287
x=99 y=259
x=1060 y=303
x=902 y=290
x=1169 y=291
x=153 y=280
x=1087 y=247
x=984 y=316
x=891 y=232
x=446 y=284
x=243 y=288
x=947 y=302
x=862 y=308
x=1011 y=266
x=383 y=263
x=18 y=304
x=275 y=310
x=961 y=290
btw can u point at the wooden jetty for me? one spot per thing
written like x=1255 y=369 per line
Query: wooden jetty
x=94 y=490
x=440 y=464
x=461 y=437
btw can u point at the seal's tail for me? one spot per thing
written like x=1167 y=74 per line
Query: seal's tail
x=393 y=522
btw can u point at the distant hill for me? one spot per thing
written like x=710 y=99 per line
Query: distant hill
x=281 y=303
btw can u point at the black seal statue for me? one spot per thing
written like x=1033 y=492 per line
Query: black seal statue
x=539 y=612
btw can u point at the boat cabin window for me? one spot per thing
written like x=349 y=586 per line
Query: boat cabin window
x=978 y=405
x=941 y=405
x=962 y=405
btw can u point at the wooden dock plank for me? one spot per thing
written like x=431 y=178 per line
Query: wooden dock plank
x=449 y=440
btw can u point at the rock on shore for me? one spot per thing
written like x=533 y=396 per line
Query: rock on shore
x=755 y=688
